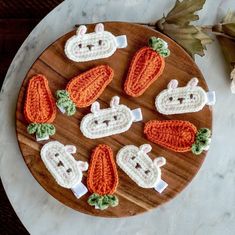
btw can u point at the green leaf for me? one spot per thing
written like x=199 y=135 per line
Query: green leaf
x=32 y=128
x=197 y=149
x=177 y=25
x=64 y=102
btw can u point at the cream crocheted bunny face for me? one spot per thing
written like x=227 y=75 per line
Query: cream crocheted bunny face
x=99 y=44
x=61 y=164
x=138 y=165
x=176 y=100
x=105 y=122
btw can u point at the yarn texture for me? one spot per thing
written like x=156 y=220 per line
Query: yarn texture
x=91 y=46
x=177 y=100
x=39 y=107
x=61 y=164
x=146 y=66
x=84 y=89
x=102 y=179
x=106 y=122
x=139 y=166
x=178 y=136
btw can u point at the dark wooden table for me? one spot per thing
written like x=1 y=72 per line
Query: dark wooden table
x=17 y=19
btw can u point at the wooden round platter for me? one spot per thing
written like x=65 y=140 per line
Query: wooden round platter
x=180 y=167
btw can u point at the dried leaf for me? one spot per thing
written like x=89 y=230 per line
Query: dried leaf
x=227 y=27
x=177 y=26
x=184 y=12
x=228 y=48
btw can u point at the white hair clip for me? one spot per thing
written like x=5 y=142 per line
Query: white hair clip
x=106 y=122
x=190 y=98
x=63 y=167
x=140 y=168
x=91 y=46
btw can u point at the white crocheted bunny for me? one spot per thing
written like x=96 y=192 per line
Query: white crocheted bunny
x=190 y=98
x=106 y=122
x=91 y=46
x=63 y=167
x=140 y=168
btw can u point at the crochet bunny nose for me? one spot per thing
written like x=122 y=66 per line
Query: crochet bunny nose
x=106 y=122
x=181 y=100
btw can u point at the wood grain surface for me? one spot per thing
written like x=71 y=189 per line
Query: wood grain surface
x=180 y=168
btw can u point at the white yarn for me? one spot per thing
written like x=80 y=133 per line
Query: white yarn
x=176 y=100
x=61 y=164
x=138 y=165
x=106 y=122
x=102 y=44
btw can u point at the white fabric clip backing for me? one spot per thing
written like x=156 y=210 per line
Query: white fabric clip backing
x=137 y=115
x=79 y=190
x=160 y=186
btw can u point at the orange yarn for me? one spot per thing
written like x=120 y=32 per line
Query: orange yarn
x=102 y=174
x=175 y=135
x=85 y=88
x=39 y=104
x=146 y=66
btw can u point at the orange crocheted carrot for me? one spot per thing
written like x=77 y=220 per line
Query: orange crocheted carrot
x=102 y=178
x=179 y=136
x=146 y=66
x=85 y=88
x=39 y=107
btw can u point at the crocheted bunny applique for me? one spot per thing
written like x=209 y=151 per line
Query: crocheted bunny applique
x=91 y=46
x=178 y=135
x=63 y=167
x=110 y=121
x=136 y=163
x=187 y=99
x=102 y=178
x=40 y=108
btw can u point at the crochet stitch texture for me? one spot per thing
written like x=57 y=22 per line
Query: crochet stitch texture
x=146 y=66
x=139 y=166
x=84 y=89
x=177 y=100
x=39 y=103
x=178 y=136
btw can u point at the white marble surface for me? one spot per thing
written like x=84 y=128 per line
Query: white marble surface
x=206 y=206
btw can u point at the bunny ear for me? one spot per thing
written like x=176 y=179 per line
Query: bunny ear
x=81 y=30
x=145 y=148
x=172 y=84
x=70 y=148
x=83 y=166
x=95 y=107
x=193 y=82
x=160 y=161
x=99 y=28
x=114 y=101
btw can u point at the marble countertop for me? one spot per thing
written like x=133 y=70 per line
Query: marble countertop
x=206 y=206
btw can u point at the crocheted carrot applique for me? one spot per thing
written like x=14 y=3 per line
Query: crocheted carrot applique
x=178 y=136
x=190 y=98
x=146 y=66
x=102 y=179
x=63 y=167
x=84 y=89
x=140 y=168
x=91 y=46
x=110 y=121
x=40 y=108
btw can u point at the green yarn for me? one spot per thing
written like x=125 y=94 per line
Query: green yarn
x=41 y=129
x=64 y=101
x=159 y=46
x=202 y=141
x=102 y=202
